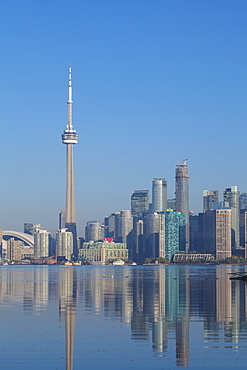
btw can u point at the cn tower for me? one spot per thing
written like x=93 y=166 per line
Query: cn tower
x=70 y=137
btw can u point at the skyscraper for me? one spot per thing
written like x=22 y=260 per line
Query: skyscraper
x=182 y=195
x=243 y=201
x=242 y=228
x=61 y=219
x=154 y=235
x=28 y=228
x=139 y=203
x=70 y=137
x=14 y=249
x=159 y=194
x=41 y=243
x=138 y=241
x=171 y=204
x=31 y=229
x=174 y=232
x=231 y=195
x=94 y=231
x=64 y=244
x=123 y=227
x=209 y=197
x=217 y=233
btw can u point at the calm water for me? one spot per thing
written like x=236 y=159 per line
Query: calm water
x=117 y=317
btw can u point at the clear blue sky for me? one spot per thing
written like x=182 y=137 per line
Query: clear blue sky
x=153 y=82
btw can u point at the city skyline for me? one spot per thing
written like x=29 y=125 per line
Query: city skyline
x=154 y=83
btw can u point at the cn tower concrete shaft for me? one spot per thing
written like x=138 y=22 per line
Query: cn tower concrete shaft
x=70 y=216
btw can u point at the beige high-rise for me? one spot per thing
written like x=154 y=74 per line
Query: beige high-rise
x=217 y=233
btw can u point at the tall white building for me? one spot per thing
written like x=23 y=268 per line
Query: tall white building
x=64 y=243
x=159 y=194
x=41 y=243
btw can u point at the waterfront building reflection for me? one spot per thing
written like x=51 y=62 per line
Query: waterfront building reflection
x=158 y=305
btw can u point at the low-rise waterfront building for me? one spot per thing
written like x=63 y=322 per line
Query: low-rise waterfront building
x=103 y=251
x=182 y=257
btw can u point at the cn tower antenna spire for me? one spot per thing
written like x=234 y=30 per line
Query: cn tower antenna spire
x=70 y=101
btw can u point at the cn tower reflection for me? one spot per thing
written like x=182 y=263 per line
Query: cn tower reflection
x=67 y=309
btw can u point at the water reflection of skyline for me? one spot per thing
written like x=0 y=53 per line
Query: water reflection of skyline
x=158 y=304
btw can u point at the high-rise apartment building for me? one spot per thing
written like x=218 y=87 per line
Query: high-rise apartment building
x=139 y=203
x=94 y=231
x=14 y=250
x=41 y=243
x=138 y=240
x=28 y=227
x=243 y=201
x=182 y=196
x=243 y=228
x=154 y=235
x=196 y=236
x=123 y=227
x=1 y=240
x=110 y=225
x=220 y=205
x=64 y=244
x=31 y=228
x=70 y=137
x=159 y=194
x=174 y=232
x=164 y=194
x=231 y=195
x=209 y=197
x=217 y=233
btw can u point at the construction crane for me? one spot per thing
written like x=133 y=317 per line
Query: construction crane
x=184 y=160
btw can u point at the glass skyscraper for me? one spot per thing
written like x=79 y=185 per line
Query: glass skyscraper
x=159 y=194
x=174 y=232
x=243 y=201
x=139 y=202
x=209 y=197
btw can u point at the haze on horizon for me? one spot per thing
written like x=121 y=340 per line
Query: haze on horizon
x=153 y=83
